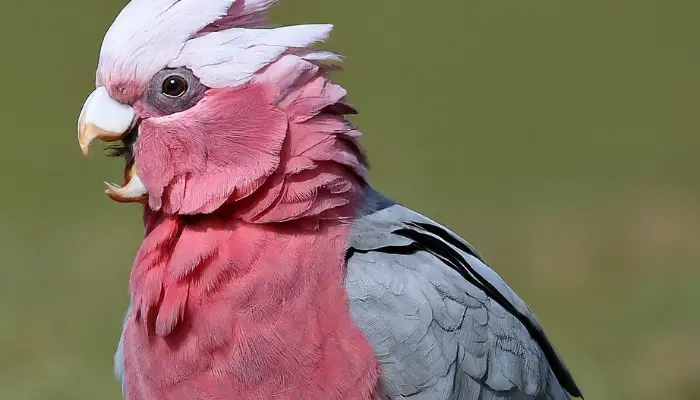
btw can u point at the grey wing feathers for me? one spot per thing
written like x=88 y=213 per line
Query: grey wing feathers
x=444 y=326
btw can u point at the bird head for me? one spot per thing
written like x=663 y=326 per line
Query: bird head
x=212 y=108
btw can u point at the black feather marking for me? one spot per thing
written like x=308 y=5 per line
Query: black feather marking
x=340 y=108
x=444 y=235
x=401 y=250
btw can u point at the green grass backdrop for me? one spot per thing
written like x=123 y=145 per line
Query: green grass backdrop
x=560 y=137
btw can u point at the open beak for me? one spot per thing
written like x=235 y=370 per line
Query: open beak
x=106 y=119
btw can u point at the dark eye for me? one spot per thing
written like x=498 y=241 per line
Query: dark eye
x=174 y=86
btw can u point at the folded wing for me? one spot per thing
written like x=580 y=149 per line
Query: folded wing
x=444 y=325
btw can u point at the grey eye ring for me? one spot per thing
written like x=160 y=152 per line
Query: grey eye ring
x=174 y=90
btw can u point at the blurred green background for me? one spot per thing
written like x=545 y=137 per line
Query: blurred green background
x=560 y=137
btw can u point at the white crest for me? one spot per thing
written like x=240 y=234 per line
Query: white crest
x=149 y=35
x=233 y=56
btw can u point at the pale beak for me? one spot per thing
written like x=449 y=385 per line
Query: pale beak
x=103 y=118
x=132 y=191
x=106 y=119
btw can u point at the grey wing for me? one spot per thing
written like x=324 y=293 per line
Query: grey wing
x=443 y=325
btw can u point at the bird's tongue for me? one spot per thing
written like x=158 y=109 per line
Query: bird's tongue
x=132 y=189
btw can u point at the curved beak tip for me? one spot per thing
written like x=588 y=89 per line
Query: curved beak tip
x=87 y=133
x=84 y=145
x=83 y=139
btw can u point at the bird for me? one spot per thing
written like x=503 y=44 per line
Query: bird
x=270 y=268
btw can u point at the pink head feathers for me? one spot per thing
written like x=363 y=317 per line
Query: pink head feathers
x=224 y=110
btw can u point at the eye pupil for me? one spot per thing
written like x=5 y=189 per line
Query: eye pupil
x=174 y=86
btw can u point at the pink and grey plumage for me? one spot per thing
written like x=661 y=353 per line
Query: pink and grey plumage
x=269 y=268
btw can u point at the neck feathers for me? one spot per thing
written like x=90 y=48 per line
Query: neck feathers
x=255 y=310
x=322 y=167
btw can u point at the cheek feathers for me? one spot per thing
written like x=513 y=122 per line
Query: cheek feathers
x=220 y=150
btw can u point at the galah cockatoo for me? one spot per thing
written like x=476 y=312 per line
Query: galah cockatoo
x=269 y=268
